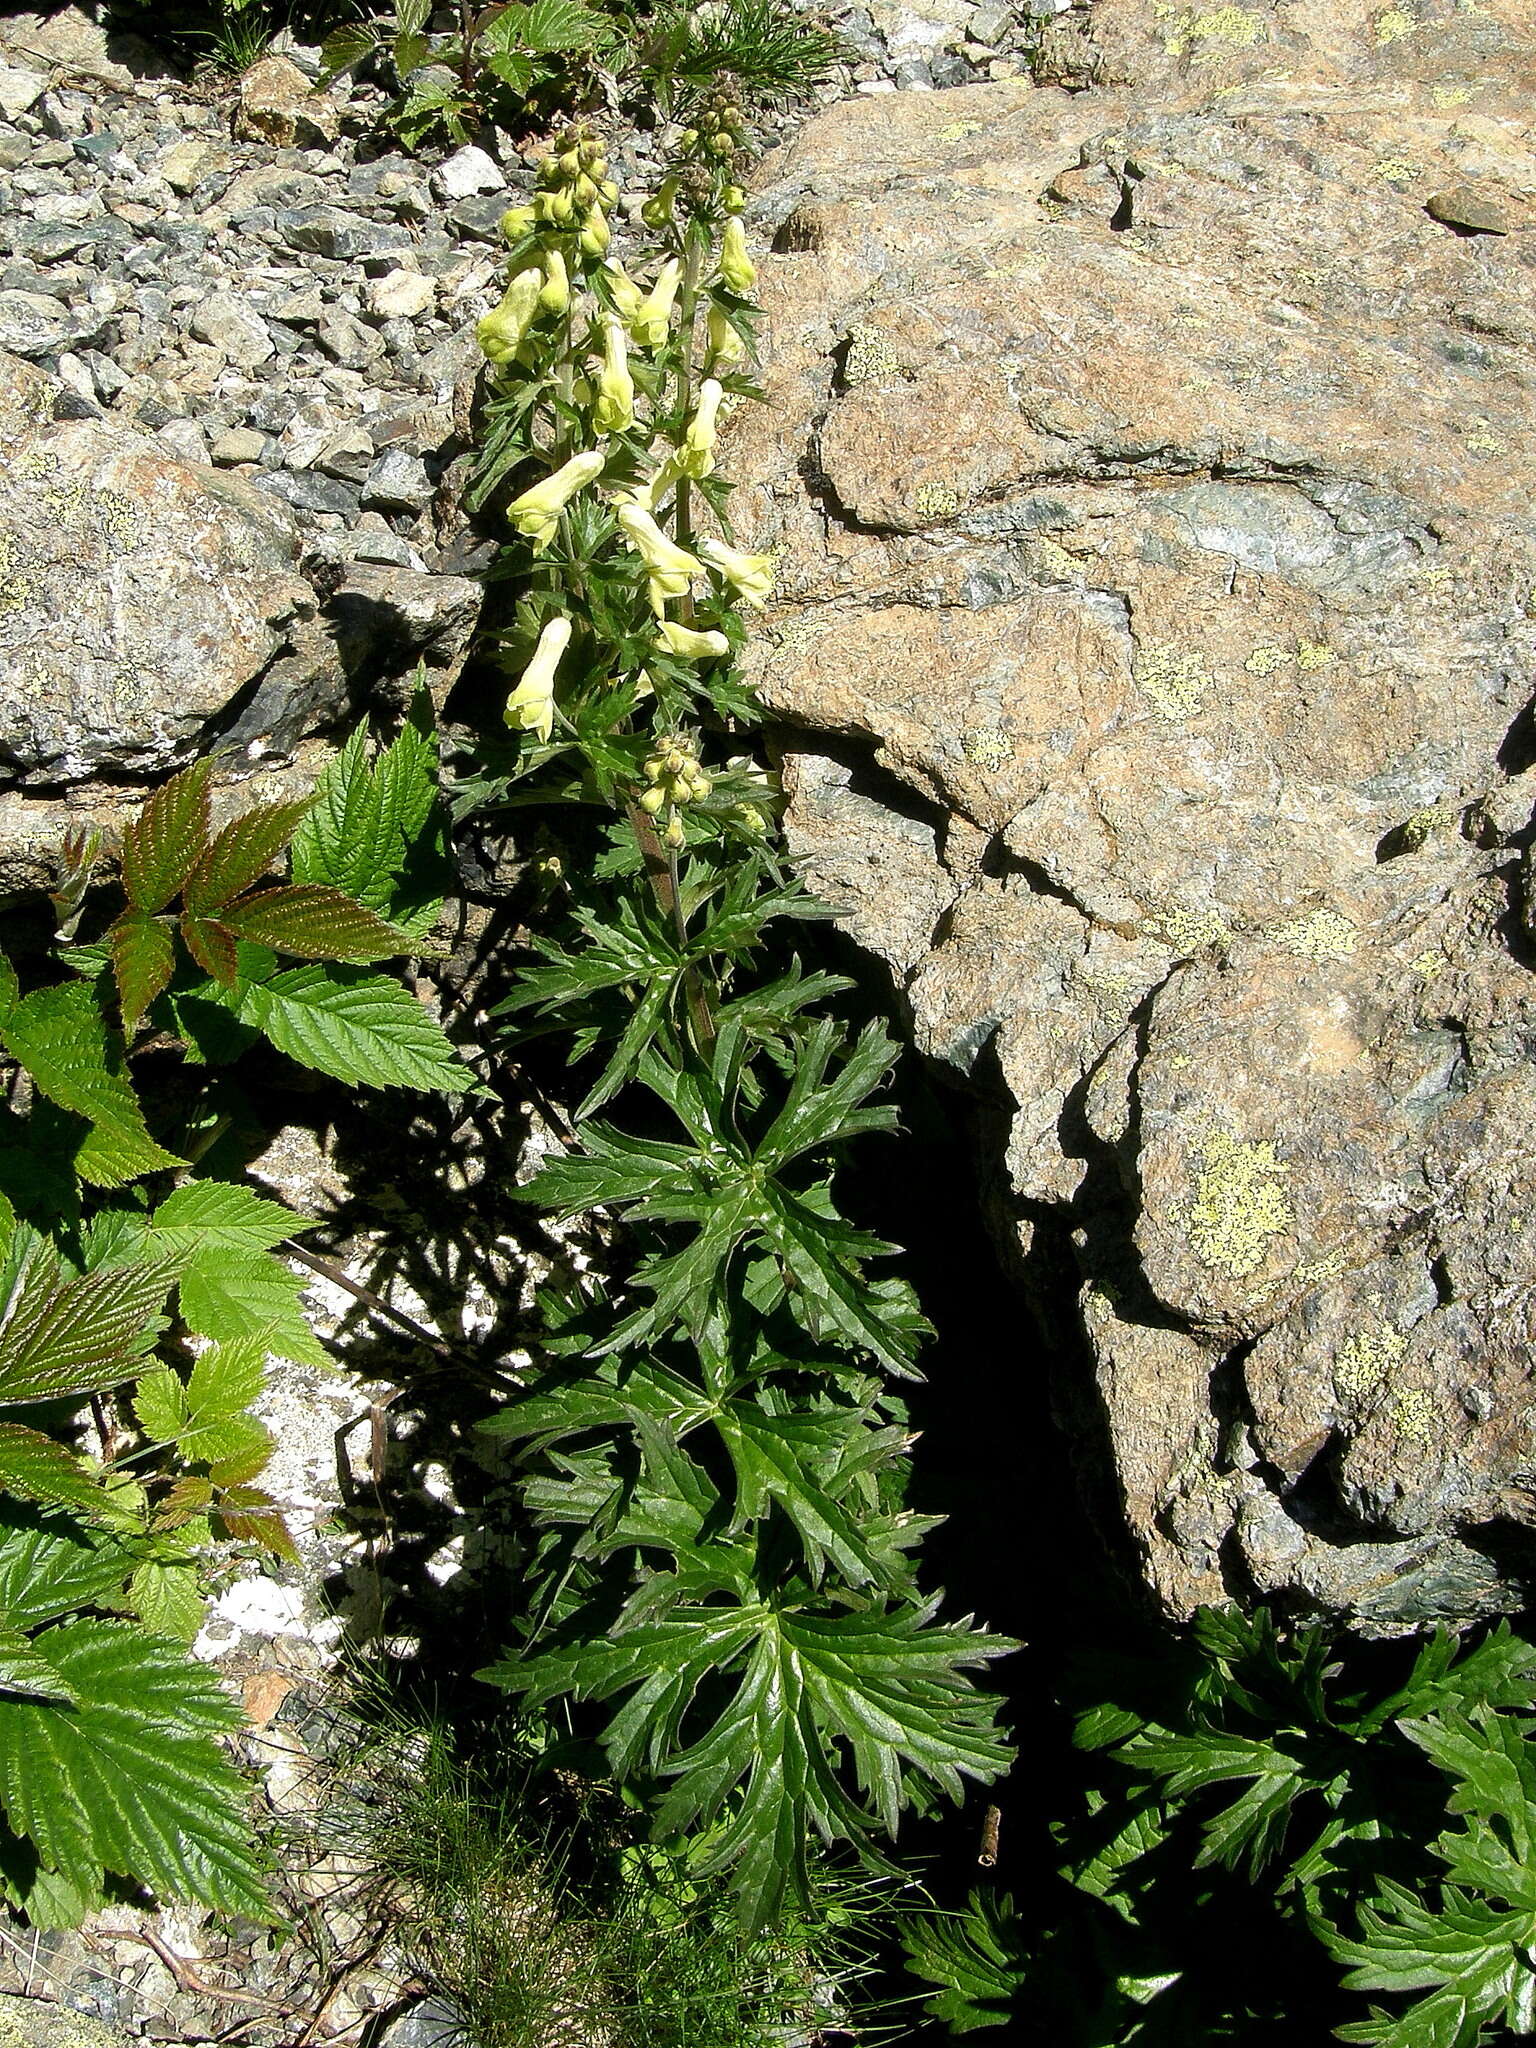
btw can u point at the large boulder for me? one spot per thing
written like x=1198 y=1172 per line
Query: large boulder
x=1151 y=474
x=150 y=609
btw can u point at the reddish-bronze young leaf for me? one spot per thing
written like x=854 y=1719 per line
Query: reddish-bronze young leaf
x=212 y=946
x=190 y=1495
x=314 y=922
x=162 y=842
x=241 y=854
x=143 y=958
x=251 y=1516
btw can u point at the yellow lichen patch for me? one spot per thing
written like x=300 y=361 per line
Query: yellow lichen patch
x=870 y=356
x=1363 y=1363
x=1318 y=1272
x=935 y=501
x=1187 y=931
x=1173 y=678
x=1313 y=654
x=1318 y=935
x=1413 y=1415
x=958 y=130
x=1198 y=31
x=1393 y=25
x=1427 y=965
x=1240 y=1205
x=1481 y=441
x=1049 y=558
x=1263 y=661
x=1450 y=95
x=987 y=746
x=1397 y=170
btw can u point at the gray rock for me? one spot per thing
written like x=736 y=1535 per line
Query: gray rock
x=327 y=231
x=33 y=325
x=19 y=90
x=142 y=596
x=306 y=492
x=35 y=2023
x=346 y=340
x=400 y=295
x=239 y=445
x=387 y=619
x=185 y=439
x=430 y=2023
x=467 y=172
x=397 y=482
x=226 y=323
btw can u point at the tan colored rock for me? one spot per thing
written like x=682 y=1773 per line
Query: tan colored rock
x=1150 y=477
x=278 y=105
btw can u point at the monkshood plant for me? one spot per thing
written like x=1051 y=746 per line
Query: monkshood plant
x=140 y=1296
x=714 y=1448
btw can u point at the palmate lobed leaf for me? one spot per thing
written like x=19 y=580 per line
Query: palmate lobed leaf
x=164 y=839
x=60 y=1036
x=805 y=1690
x=240 y=853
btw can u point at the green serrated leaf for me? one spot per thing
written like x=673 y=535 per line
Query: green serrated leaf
x=52 y=1567
x=76 y=1336
x=164 y=839
x=169 y=1598
x=34 y=1467
x=59 y=1035
x=361 y=1028
x=234 y=1296
x=130 y=1777
x=204 y=1216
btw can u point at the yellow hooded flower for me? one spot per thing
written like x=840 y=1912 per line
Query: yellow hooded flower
x=537 y=511
x=531 y=706
x=725 y=344
x=750 y=575
x=736 y=266
x=672 y=568
x=516 y=222
x=615 y=408
x=697 y=456
x=685 y=641
x=649 y=495
x=627 y=295
x=500 y=333
x=650 y=320
x=595 y=234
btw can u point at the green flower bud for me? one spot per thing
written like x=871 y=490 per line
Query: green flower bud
x=594 y=234
x=675 y=836
x=651 y=800
x=516 y=222
x=725 y=344
x=556 y=293
x=609 y=191
x=658 y=209
x=733 y=199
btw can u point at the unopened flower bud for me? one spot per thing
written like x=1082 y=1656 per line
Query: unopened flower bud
x=733 y=199
x=652 y=800
x=674 y=836
x=556 y=293
x=516 y=222
x=595 y=236
x=658 y=209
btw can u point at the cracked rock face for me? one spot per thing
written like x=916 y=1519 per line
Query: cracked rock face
x=1151 y=477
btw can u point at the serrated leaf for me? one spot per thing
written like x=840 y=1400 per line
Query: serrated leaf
x=240 y=854
x=52 y=1567
x=169 y=1598
x=59 y=1035
x=34 y=1467
x=212 y=1215
x=143 y=960
x=214 y=947
x=164 y=839
x=131 y=1778
x=372 y=831
x=251 y=1516
x=314 y=922
x=26 y=1670
x=160 y=1404
x=551 y=25
x=345 y=46
x=361 y=1028
x=231 y=1296
x=977 y=1957
x=76 y=1336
